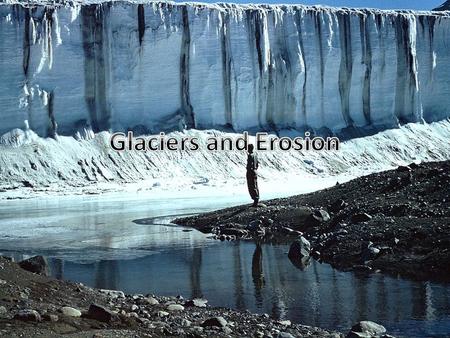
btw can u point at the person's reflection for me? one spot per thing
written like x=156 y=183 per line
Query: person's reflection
x=257 y=273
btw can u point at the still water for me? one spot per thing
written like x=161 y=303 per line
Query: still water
x=127 y=243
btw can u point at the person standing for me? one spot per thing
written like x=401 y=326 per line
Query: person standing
x=252 y=177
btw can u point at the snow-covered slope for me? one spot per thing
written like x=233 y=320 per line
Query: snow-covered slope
x=151 y=66
x=67 y=165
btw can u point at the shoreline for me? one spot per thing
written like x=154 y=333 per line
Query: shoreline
x=396 y=222
x=40 y=306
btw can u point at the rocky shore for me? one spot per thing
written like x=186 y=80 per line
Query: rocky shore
x=35 y=305
x=396 y=222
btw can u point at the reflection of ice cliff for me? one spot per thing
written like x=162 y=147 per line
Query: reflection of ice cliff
x=160 y=65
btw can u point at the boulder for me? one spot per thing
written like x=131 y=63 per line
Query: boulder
x=36 y=264
x=28 y=315
x=366 y=329
x=215 y=321
x=300 y=248
x=100 y=313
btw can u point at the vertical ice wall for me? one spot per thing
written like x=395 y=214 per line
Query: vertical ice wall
x=160 y=66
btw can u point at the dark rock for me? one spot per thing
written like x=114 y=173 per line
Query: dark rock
x=404 y=168
x=338 y=205
x=27 y=184
x=363 y=217
x=215 y=321
x=300 y=248
x=321 y=215
x=101 y=314
x=28 y=315
x=36 y=264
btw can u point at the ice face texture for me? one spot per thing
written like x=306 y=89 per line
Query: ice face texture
x=148 y=67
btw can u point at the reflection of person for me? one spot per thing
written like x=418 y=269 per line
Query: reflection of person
x=252 y=178
x=257 y=268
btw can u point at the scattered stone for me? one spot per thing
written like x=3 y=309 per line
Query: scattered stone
x=3 y=310
x=285 y=322
x=113 y=293
x=70 y=311
x=215 y=321
x=28 y=315
x=175 y=307
x=366 y=329
x=150 y=301
x=197 y=302
x=101 y=314
x=36 y=264
x=163 y=314
x=285 y=335
x=134 y=308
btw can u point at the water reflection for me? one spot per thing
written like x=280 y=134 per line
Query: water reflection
x=259 y=277
x=97 y=243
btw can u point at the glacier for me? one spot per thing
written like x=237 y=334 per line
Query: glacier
x=72 y=68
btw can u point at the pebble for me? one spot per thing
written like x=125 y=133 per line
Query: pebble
x=70 y=311
x=163 y=314
x=150 y=301
x=175 y=307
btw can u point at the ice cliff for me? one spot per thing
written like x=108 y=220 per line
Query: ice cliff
x=67 y=68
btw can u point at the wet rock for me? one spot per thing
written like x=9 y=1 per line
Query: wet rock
x=36 y=264
x=362 y=217
x=366 y=329
x=70 y=311
x=215 y=321
x=100 y=313
x=175 y=307
x=28 y=315
x=299 y=249
x=197 y=302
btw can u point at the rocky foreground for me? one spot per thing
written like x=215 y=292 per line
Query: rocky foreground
x=34 y=305
x=396 y=221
